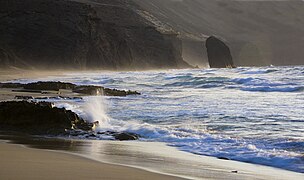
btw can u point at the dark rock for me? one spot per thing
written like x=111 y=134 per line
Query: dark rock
x=98 y=90
x=59 y=98
x=223 y=158
x=234 y=171
x=40 y=87
x=24 y=97
x=219 y=55
x=125 y=136
x=11 y=85
x=115 y=92
x=89 y=90
x=121 y=136
x=107 y=133
x=39 y=118
x=48 y=86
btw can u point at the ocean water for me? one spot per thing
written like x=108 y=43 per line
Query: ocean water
x=253 y=115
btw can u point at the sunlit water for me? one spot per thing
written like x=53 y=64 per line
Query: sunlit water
x=253 y=115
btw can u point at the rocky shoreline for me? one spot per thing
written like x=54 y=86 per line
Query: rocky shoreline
x=35 y=116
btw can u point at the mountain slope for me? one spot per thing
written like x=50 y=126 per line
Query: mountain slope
x=258 y=32
x=101 y=34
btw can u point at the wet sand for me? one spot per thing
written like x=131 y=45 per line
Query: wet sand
x=18 y=162
x=110 y=159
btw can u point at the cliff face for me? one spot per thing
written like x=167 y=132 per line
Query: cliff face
x=96 y=34
x=257 y=32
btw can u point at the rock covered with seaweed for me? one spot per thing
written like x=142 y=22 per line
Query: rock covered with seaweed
x=43 y=118
x=39 y=118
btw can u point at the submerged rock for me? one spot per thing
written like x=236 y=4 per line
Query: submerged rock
x=99 y=90
x=125 y=136
x=121 y=136
x=115 y=92
x=58 y=98
x=219 y=55
x=89 y=90
x=39 y=118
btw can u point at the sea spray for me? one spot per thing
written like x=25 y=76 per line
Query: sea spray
x=96 y=110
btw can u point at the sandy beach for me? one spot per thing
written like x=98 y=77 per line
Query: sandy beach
x=18 y=162
x=85 y=159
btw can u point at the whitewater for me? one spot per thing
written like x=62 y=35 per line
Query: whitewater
x=253 y=115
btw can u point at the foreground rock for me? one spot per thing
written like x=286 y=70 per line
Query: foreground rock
x=44 y=118
x=39 y=118
x=219 y=55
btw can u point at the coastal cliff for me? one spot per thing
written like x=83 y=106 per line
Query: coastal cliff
x=78 y=34
x=259 y=33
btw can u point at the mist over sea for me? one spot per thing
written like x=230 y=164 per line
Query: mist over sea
x=253 y=115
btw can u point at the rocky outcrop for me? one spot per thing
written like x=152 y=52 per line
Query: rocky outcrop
x=49 y=86
x=99 y=90
x=39 y=118
x=219 y=55
x=85 y=34
x=11 y=85
x=43 y=118
x=42 y=86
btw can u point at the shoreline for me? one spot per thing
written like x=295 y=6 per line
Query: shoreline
x=151 y=157
x=160 y=158
x=48 y=164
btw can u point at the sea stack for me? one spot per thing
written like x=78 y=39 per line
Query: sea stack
x=219 y=55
